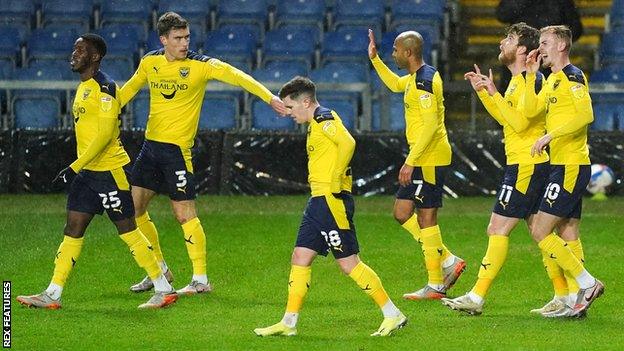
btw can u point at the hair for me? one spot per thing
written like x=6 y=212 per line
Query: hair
x=562 y=32
x=297 y=87
x=527 y=35
x=168 y=21
x=96 y=42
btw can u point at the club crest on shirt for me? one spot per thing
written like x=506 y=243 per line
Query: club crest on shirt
x=85 y=94
x=184 y=72
x=578 y=91
x=329 y=128
x=425 y=100
x=106 y=103
x=511 y=90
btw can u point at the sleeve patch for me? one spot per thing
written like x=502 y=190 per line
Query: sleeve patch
x=330 y=128
x=425 y=101
x=578 y=91
x=324 y=116
x=106 y=103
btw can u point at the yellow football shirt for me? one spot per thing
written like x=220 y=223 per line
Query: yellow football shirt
x=424 y=113
x=177 y=91
x=330 y=148
x=96 y=121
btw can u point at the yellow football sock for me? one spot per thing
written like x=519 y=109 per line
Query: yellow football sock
x=492 y=262
x=555 y=273
x=411 y=225
x=298 y=285
x=433 y=250
x=555 y=247
x=195 y=245
x=66 y=257
x=577 y=249
x=367 y=280
x=141 y=251
x=147 y=227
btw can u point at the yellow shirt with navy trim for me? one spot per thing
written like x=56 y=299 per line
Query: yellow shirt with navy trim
x=424 y=113
x=330 y=148
x=520 y=133
x=566 y=103
x=96 y=123
x=177 y=91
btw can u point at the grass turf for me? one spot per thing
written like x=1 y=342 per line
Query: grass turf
x=249 y=243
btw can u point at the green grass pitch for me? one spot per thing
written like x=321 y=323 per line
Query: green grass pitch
x=250 y=240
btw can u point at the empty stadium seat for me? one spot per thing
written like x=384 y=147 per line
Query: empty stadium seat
x=359 y=12
x=315 y=33
x=340 y=72
x=605 y=115
x=617 y=14
x=231 y=45
x=345 y=45
x=288 y=44
x=611 y=48
x=263 y=117
x=36 y=111
x=311 y=12
x=133 y=11
x=10 y=42
x=417 y=11
x=68 y=12
x=140 y=109
x=49 y=68
x=194 y=11
x=280 y=72
x=17 y=12
x=219 y=112
x=51 y=43
x=242 y=11
x=610 y=74
x=7 y=67
x=396 y=111
x=118 y=68
x=122 y=39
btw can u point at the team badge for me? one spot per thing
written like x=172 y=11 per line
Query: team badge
x=578 y=91
x=184 y=72
x=556 y=84
x=425 y=101
x=86 y=93
x=106 y=103
x=329 y=128
x=511 y=90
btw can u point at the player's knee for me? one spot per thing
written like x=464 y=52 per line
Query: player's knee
x=402 y=216
x=74 y=230
x=125 y=225
x=184 y=217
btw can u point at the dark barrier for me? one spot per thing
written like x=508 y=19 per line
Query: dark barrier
x=6 y=160
x=271 y=163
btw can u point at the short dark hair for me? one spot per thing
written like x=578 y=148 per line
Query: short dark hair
x=527 y=35
x=168 y=21
x=298 y=86
x=562 y=32
x=96 y=42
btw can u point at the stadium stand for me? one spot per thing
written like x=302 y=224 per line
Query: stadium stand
x=219 y=112
x=68 y=12
x=264 y=118
x=288 y=45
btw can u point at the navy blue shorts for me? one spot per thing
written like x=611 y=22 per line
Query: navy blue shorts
x=427 y=187
x=564 y=193
x=93 y=192
x=327 y=225
x=166 y=169
x=521 y=190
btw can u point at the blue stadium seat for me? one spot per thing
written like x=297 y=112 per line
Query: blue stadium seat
x=231 y=45
x=287 y=44
x=605 y=115
x=617 y=14
x=134 y=11
x=264 y=118
x=340 y=72
x=66 y=12
x=417 y=11
x=10 y=42
x=219 y=112
x=609 y=74
x=7 y=67
x=611 y=48
x=310 y=12
x=243 y=28
x=279 y=72
x=123 y=39
x=343 y=107
x=359 y=12
x=153 y=42
x=195 y=11
x=118 y=68
x=140 y=109
x=313 y=31
x=242 y=11
x=49 y=68
x=17 y=12
x=51 y=43
x=345 y=45
x=36 y=111
x=396 y=111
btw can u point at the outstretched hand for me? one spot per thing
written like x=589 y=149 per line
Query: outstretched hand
x=278 y=105
x=372 y=48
